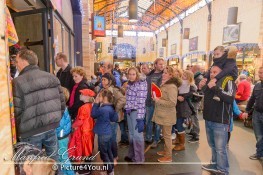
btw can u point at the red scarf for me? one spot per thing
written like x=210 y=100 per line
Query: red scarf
x=72 y=95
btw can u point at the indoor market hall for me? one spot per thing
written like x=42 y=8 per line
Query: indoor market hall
x=131 y=87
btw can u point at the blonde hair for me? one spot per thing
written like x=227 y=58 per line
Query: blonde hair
x=189 y=75
x=65 y=92
x=40 y=167
x=179 y=72
x=157 y=60
x=137 y=72
x=79 y=70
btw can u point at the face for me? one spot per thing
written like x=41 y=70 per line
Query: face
x=132 y=75
x=159 y=65
x=214 y=71
x=76 y=77
x=83 y=98
x=20 y=63
x=166 y=76
x=58 y=61
x=260 y=74
x=218 y=53
x=184 y=77
x=105 y=82
x=105 y=68
x=145 y=69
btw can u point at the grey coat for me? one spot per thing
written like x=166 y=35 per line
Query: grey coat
x=38 y=100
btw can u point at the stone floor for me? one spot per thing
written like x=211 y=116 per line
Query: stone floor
x=188 y=162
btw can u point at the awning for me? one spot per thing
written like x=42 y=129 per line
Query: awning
x=172 y=57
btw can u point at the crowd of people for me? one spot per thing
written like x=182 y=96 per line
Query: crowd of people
x=63 y=113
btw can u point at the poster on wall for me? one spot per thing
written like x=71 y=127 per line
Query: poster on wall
x=193 y=43
x=173 y=49
x=164 y=42
x=161 y=52
x=231 y=34
x=98 y=47
x=99 y=26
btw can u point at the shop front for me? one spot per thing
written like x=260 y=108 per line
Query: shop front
x=194 y=58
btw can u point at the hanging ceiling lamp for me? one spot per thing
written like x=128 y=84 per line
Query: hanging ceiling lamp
x=133 y=11
x=232 y=16
x=120 y=31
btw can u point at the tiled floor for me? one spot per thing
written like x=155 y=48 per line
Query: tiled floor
x=188 y=162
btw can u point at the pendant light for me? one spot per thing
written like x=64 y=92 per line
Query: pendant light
x=133 y=10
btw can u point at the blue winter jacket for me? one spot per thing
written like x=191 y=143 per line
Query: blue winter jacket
x=105 y=114
x=65 y=125
x=117 y=76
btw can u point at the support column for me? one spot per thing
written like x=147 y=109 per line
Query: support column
x=208 y=35
x=260 y=41
x=166 y=44
x=88 y=44
x=181 y=44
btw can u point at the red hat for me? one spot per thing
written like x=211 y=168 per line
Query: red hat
x=87 y=92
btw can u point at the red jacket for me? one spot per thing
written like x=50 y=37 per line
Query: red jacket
x=243 y=90
x=83 y=136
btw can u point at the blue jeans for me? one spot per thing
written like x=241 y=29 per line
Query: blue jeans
x=123 y=124
x=114 y=146
x=49 y=140
x=257 y=120
x=104 y=144
x=149 y=126
x=136 y=142
x=179 y=124
x=217 y=136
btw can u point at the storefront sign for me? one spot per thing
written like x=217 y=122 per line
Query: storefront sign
x=99 y=26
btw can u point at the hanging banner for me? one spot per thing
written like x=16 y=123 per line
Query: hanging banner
x=99 y=28
x=10 y=31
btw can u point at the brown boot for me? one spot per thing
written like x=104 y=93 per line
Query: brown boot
x=165 y=159
x=180 y=146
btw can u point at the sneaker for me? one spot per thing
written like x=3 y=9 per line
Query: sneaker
x=148 y=142
x=193 y=140
x=216 y=98
x=210 y=167
x=127 y=159
x=190 y=134
x=154 y=145
x=254 y=157
x=161 y=153
x=165 y=159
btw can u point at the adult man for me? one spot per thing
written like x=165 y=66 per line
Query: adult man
x=108 y=68
x=64 y=74
x=196 y=69
x=217 y=115
x=155 y=76
x=39 y=104
x=243 y=89
x=145 y=69
x=256 y=101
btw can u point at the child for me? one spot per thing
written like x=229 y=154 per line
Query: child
x=39 y=167
x=104 y=112
x=226 y=60
x=183 y=108
x=63 y=132
x=83 y=136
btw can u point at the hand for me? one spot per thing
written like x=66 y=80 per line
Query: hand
x=202 y=83
x=156 y=99
x=180 y=98
x=211 y=83
x=139 y=125
x=244 y=115
x=97 y=99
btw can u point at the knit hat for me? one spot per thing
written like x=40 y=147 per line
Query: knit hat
x=87 y=92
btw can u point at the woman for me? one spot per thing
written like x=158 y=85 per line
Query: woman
x=165 y=111
x=183 y=106
x=119 y=100
x=80 y=79
x=135 y=109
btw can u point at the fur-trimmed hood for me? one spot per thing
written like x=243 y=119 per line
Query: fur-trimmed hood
x=176 y=81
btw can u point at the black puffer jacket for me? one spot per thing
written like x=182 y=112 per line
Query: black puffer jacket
x=38 y=100
x=66 y=78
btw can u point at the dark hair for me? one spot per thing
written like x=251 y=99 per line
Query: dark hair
x=29 y=56
x=108 y=94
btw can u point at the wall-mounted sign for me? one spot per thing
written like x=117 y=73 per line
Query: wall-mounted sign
x=99 y=26
x=193 y=43
x=173 y=49
x=98 y=47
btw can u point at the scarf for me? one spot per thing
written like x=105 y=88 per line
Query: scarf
x=185 y=87
x=72 y=95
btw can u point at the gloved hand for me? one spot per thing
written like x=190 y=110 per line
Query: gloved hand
x=139 y=125
x=128 y=111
